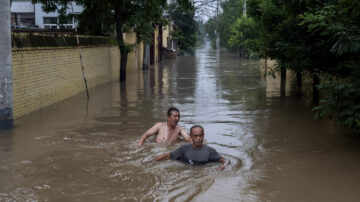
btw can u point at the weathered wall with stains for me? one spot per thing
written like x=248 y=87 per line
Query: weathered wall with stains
x=46 y=69
x=156 y=43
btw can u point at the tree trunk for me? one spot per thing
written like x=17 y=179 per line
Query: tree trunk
x=298 y=78
x=119 y=35
x=316 y=81
x=123 y=65
x=298 y=83
x=283 y=73
x=283 y=82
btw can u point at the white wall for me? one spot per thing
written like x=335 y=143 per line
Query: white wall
x=40 y=14
x=28 y=7
x=22 y=7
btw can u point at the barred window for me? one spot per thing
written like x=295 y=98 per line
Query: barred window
x=50 y=20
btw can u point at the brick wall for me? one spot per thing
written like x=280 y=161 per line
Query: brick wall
x=46 y=68
x=42 y=77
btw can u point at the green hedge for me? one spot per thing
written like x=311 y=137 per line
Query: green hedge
x=23 y=40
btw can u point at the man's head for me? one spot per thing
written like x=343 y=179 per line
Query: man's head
x=173 y=116
x=197 y=135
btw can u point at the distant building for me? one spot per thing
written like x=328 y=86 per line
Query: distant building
x=26 y=14
x=168 y=42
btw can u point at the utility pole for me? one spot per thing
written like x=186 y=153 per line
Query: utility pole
x=6 y=112
x=245 y=14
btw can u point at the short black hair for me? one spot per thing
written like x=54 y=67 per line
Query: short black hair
x=171 y=110
x=196 y=126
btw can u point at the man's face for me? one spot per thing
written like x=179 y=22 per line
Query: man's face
x=197 y=136
x=174 y=118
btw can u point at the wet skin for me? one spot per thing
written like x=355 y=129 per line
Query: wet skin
x=173 y=119
x=169 y=136
x=197 y=136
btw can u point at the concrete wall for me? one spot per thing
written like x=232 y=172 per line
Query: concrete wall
x=156 y=44
x=167 y=38
x=139 y=51
x=273 y=85
x=132 y=57
x=166 y=34
x=22 y=7
x=44 y=75
x=135 y=58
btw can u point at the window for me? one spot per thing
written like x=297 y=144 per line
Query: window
x=50 y=20
x=58 y=22
x=25 y=19
x=65 y=20
x=50 y=27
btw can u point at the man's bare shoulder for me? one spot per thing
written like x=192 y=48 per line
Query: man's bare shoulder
x=179 y=127
x=157 y=125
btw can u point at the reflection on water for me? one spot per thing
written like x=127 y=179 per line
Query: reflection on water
x=74 y=152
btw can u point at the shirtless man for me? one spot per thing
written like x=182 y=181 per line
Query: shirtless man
x=166 y=132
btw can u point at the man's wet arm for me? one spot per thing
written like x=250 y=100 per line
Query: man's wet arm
x=165 y=156
x=185 y=135
x=153 y=130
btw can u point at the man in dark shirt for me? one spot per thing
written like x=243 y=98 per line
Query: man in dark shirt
x=195 y=153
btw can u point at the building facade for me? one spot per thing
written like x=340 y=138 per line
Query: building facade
x=25 y=14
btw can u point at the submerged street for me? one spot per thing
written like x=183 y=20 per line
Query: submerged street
x=86 y=151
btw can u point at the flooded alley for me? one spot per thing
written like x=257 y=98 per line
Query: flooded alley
x=86 y=151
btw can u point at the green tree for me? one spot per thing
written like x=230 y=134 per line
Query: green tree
x=244 y=35
x=319 y=37
x=186 y=27
x=337 y=24
x=231 y=11
x=96 y=19
x=210 y=27
x=126 y=14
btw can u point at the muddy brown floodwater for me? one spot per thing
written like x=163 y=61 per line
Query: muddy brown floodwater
x=79 y=151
